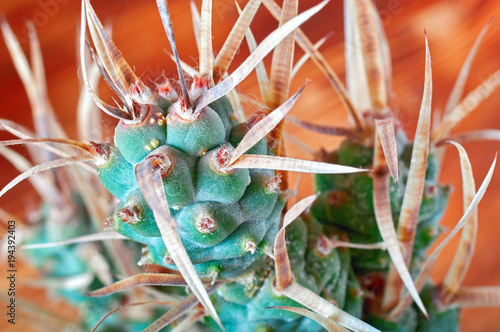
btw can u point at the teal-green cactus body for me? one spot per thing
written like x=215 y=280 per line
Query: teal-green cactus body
x=243 y=304
x=414 y=321
x=53 y=261
x=346 y=204
x=136 y=140
x=117 y=174
x=62 y=263
x=226 y=217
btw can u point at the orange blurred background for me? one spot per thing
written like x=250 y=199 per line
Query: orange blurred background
x=451 y=26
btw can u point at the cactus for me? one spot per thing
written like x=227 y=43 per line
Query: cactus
x=227 y=207
x=205 y=190
x=56 y=236
x=405 y=213
x=200 y=204
x=72 y=270
x=320 y=268
x=225 y=215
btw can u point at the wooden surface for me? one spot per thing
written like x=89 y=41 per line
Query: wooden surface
x=451 y=26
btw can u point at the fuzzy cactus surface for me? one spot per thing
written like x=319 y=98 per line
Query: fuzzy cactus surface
x=345 y=197
x=323 y=270
x=72 y=276
x=226 y=217
x=198 y=208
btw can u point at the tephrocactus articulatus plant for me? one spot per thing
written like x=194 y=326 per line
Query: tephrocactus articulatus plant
x=55 y=237
x=197 y=185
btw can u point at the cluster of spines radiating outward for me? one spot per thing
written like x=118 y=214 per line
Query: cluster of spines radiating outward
x=205 y=190
x=74 y=203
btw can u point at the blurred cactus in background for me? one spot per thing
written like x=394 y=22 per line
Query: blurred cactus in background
x=192 y=188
